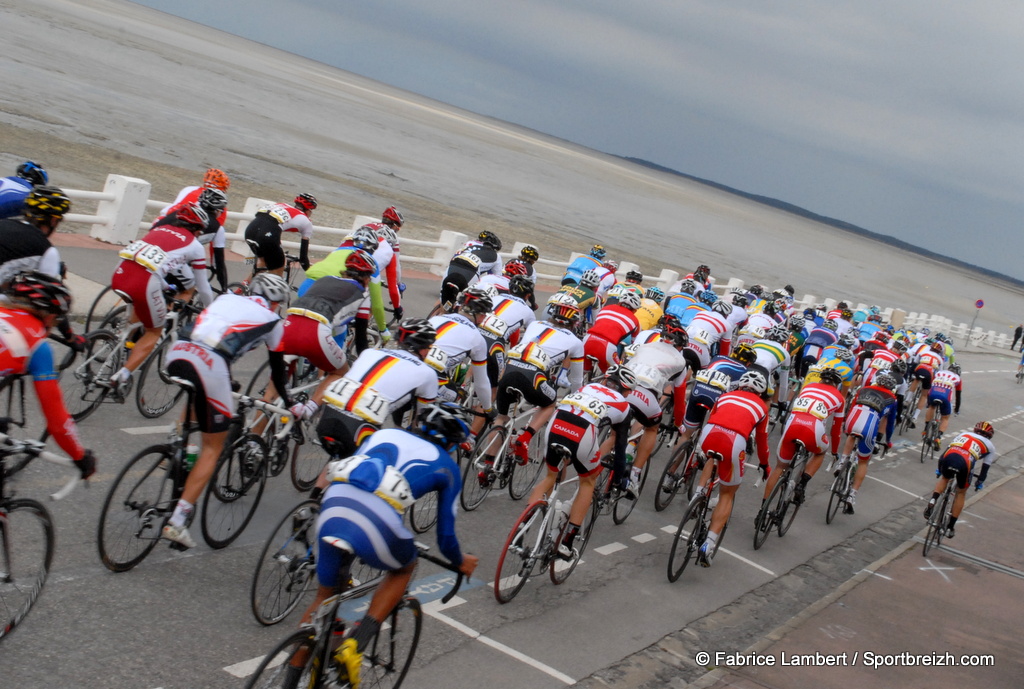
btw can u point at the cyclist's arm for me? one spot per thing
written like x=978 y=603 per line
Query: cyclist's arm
x=279 y=375
x=958 y=394
x=202 y=282
x=679 y=398
x=304 y=253
x=220 y=266
x=377 y=305
x=575 y=372
x=393 y=280
x=51 y=400
x=49 y=263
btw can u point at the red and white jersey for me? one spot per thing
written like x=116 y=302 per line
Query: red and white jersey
x=233 y=324
x=931 y=359
x=614 y=323
x=394 y=374
x=165 y=250
x=736 y=319
x=947 y=379
x=516 y=313
x=761 y=320
x=191 y=195
x=882 y=360
x=973 y=447
x=705 y=330
x=743 y=412
x=655 y=364
x=290 y=218
x=820 y=401
x=595 y=402
x=499 y=281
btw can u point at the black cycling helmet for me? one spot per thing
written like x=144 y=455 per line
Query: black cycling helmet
x=490 y=240
x=39 y=291
x=529 y=253
x=744 y=354
x=474 y=301
x=830 y=376
x=443 y=423
x=33 y=173
x=634 y=277
x=520 y=286
x=212 y=199
x=415 y=334
x=46 y=202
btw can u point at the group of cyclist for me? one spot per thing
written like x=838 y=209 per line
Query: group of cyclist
x=602 y=353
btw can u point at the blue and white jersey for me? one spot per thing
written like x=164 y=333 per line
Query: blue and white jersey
x=13 y=192
x=579 y=266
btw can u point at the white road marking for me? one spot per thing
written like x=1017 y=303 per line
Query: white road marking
x=877 y=574
x=671 y=528
x=644 y=538
x=886 y=483
x=937 y=569
x=147 y=430
x=976 y=515
x=246 y=667
x=610 y=548
x=433 y=609
x=749 y=562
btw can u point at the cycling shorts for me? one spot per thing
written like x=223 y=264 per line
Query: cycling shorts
x=731 y=446
x=698 y=407
x=527 y=379
x=863 y=421
x=145 y=291
x=309 y=338
x=924 y=373
x=370 y=525
x=579 y=437
x=952 y=464
x=341 y=433
x=459 y=277
x=213 y=403
x=605 y=351
x=943 y=396
x=809 y=430
x=646 y=406
x=263 y=235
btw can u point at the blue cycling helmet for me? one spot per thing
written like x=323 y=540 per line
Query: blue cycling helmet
x=598 y=252
x=443 y=423
x=33 y=173
x=708 y=297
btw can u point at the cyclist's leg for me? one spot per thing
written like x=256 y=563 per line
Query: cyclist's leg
x=647 y=411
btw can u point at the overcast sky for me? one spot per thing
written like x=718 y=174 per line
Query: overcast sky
x=902 y=117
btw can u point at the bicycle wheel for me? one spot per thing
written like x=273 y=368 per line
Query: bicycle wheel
x=668 y=484
x=82 y=394
x=423 y=513
x=623 y=505
x=308 y=457
x=275 y=670
x=115 y=320
x=767 y=515
x=685 y=545
x=387 y=658
x=234 y=490
x=491 y=442
x=258 y=382
x=839 y=489
x=141 y=499
x=105 y=302
x=156 y=394
x=518 y=557
x=26 y=553
x=523 y=476
x=438 y=310
x=559 y=569
x=942 y=518
x=787 y=506
x=287 y=563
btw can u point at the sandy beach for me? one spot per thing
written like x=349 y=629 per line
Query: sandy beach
x=105 y=86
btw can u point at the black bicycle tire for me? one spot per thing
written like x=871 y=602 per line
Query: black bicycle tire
x=936 y=525
x=300 y=639
x=532 y=470
x=146 y=381
x=387 y=670
x=559 y=576
x=762 y=529
x=663 y=499
x=787 y=512
x=84 y=370
x=18 y=613
x=91 y=318
x=423 y=513
x=155 y=512
x=694 y=511
x=469 y=499
x=620 y=516
x=504 y=595
x=233 y=490
x=835 y=499
x=305 y=457
x=292 y=576
x=251 y=390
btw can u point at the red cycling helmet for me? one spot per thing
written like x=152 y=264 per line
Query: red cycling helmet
x=360 y=264
x=515 y=267
x=191 y=216
x=305 y=202
x=391 y=216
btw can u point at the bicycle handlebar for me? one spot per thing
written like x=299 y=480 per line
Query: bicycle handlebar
x=441 y=562
x=34 y=448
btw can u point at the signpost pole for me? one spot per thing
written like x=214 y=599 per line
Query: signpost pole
x=978 y=305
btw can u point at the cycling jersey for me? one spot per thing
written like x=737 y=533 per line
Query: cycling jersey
x=736 y=416
x=516 y=314
x=481 y=259
x=944 y=385
x=871 y=404
x=710 y=383
x=613 y=326
x=575 y=424
x=24 y=247
x=334 y=265
x=214 y=235
x=263 y=233
x=577 y=267
x=13 y=192
x=649 y=314
x=815 y=419
x=24 y=350
x=500 y=282
x=317 y=323
x=773 y=358
x=706 y=331
x=655 y=365
x=360 y=507
x=457 y=338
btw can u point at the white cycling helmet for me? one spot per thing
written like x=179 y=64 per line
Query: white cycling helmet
x=630 y=300
x=270 y=286
x=590 y=279
x=754 y=381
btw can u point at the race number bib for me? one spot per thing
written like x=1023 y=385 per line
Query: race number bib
x=702 y=337
x=437 y=359
x=629 y=351
x=881 y=364
x=531 y=353
x=966 y=442
x=649 y=377
x=146 y=255
x=362 y=400
x=277 y=212
x=470 y=258
x=393 y=488
x=587 y=403
x=815 y=408
x=716 y=379
x=494 y=325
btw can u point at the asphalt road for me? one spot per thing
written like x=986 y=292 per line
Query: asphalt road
x=183 y=619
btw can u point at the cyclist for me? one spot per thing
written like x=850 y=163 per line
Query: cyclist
x=225 y=330
x=26 y=241
x=650 y=312
x=533 y=369
x=945 y=385
x=818 y=338
x=582 y=264
x=386 y=257
x=15 y=189
x=614 y=326
x=394 y=219
x=263 y=233
x=530 y=255
x=583 y=294
x=655 y=365
x=478 y=257
x=142 y=277
x=957 y=462
x=215 y=203
x=738 y=418
x=36 y=301
x=512 y=268
x=872 y=417
x=572 y=439
x=928 y=362
x=459 y=338
x=773 y=360
x=816 y=420
x=363 y=507
x=513 y=309
x=707 y=332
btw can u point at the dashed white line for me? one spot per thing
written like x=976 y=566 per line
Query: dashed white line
x=147 y=430
x=886 y=483
x=610 y=548
x=644 y=538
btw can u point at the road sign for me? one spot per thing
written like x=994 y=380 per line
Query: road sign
x=979 y=303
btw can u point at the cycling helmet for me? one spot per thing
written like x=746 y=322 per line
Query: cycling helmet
x=797 y=323
x=392 y=217
x=874 y=318
x=830 y=324
x=954 y=368
x=216 y=179
x=688 y=286
x=768 y=308
x=810 y=313
x=882 y=336
x=621 y=376
x=365 y=238
x=899 y=366
x=778 y=333
x=191 y=216
x=634 y=276
x=781 y=304
x=565 y=312
x=898 y=346
x=519 y=286
x=489 y=239
x=46 y=202
x=844 y=355
x=590 y=279
x=779 y=294
x=33 y=173
x=937 y=347
x=984 y=428
x=598 y=252
x=847 y=339
x=707 y=297
x=874 y=309
x=270 y=286
x=386 y=234
x=885 y=380
x=757 y=290
x=305 y=203
x=444 y=423
x=515 y=267
x=702 y=273
x=926 y=331
x=630 y=299
x=611 y=265
x=360 y=264
x=842 y=305
x=830 y=376
x=474 y=301
x=655 y=293
x=740 y=300
x=744 y=354
x=846 y=314
x=722 y=307
x=529 y=253
x=789 y=289
x=415 y=334
x=39 y=291
x=754 y=381
x=213 y=199
x=673 y=331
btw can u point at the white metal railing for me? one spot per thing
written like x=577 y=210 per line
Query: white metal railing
x=124 y=201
